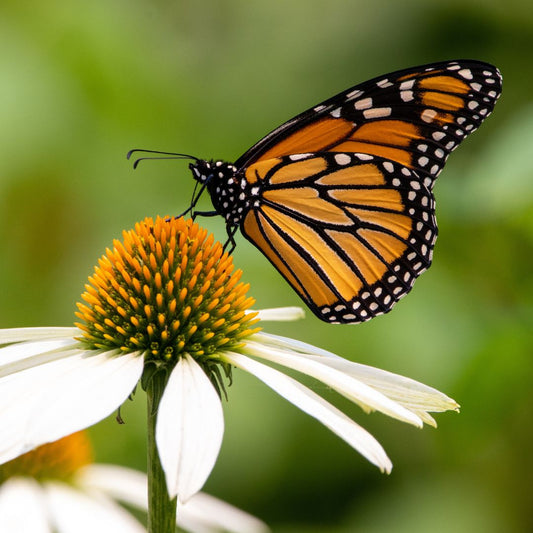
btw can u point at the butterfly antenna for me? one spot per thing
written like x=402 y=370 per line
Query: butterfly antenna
x=167 y=155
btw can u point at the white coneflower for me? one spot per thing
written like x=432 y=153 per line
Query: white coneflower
x=165 y=308
x=57 y=487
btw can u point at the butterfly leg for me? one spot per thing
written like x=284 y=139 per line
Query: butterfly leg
x=194 y=201
x=204 y=214
x=196 y=213
x=230 y=244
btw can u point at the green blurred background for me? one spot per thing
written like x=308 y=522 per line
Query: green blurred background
x=82 y=83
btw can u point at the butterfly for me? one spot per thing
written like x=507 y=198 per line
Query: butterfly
x=339 y=198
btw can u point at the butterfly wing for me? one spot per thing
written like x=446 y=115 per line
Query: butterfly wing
x=341 y=200
x=414 y=117
x=349 y=232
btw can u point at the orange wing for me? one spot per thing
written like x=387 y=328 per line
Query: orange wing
x=349 y=232
x=339 y=197
x=414 y=117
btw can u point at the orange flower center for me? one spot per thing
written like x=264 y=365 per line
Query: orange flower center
x=166 y=289
x=55 y=460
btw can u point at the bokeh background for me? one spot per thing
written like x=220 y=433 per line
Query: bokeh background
x=82 y=83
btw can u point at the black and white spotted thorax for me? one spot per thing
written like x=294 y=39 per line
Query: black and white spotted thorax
x=231 y=195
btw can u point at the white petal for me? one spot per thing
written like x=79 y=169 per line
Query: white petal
x=281 y=314
x=189 y=429
x=23 y=355
x=205 y=513
x=118 y=482
x=75 y=512
x=314 y=405
x=201 y=513
x=411 y=393
x=22 y=507
x=293 y=344
x=425 y=417
x=47 y=402
x=33 y=334
x=338 y=380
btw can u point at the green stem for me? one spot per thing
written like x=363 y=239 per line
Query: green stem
x=161 y=510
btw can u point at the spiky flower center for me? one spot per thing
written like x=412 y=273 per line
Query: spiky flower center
x=166 y=289
x=55 y=460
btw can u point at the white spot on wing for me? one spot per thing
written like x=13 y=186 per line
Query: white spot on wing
x=428 y=115
x=297 y=157
x=384 y=83
x=342 y=159
x=466 y=73
x=406 y=85
x=377 y=112
x=365 y=103
x=354 y=94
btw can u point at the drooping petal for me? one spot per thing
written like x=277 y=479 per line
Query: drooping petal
x=201 y=513
x=343 y=383
x=118 y=482
x=317 y=407
x=425 y=417
x=189 y=429
x=293 y=344
x=75 y=512
x=47 y=402
x=205 y=513
x=23 y=355
x=22 y=507
x=410 y=393
x=281 y=314
x=9 y=335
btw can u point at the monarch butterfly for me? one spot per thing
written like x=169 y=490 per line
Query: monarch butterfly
x=339 y=199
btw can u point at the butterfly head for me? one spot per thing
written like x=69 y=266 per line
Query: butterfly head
x=210 y=172
x=224 y=186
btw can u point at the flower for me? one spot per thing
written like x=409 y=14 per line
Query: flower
x=56 y=487
x=164 y=306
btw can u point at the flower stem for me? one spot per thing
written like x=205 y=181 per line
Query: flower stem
x=161 y=510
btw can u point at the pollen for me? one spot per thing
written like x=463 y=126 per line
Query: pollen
x=166 y=288
x=55 y=460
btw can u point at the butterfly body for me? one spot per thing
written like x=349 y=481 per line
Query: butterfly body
x=229 y=194
x=339 y=198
